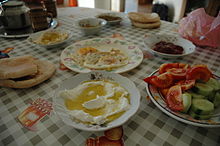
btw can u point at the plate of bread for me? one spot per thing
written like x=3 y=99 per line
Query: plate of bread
x=144 y=20
x=24 y=71
x=108 y=54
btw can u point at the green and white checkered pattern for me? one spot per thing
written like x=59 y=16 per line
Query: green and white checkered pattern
x=149 y=126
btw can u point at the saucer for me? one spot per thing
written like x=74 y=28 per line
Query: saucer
x=21 y=33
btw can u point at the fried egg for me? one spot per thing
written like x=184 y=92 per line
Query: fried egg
x=94 y=59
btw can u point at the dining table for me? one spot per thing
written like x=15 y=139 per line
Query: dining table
x=149 y=126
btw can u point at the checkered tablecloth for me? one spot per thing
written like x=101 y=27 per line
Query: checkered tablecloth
x=149 y=126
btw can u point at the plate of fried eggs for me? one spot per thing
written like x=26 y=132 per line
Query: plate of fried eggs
x=109 y=54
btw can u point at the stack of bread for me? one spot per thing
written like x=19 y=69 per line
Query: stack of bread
x=144 y=20
x=24 y=71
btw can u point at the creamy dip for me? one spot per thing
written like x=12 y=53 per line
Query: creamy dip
x=96 y=102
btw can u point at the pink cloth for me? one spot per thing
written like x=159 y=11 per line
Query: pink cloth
x=200 y=28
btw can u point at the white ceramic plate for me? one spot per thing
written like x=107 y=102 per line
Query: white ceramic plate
x=36 y=35
x=22 y=33
x=114 y=14
x=151 y=40
x=62 y=112
x=103 y=44
x=157 y=98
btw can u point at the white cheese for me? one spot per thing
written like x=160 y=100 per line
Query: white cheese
x=68 y=94
x=95 y=103
x=110 y=106
x=114 y=108
x=73 y=93
x=85 y=117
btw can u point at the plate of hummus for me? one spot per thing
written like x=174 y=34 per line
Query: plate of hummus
x=52 y=38
x=112 y=55
x=96 y=101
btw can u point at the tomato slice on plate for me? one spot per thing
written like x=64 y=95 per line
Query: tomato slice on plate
x=199 y=72
x=164 y=80
x=166 y=66
x=149 y=79
x=164 y=91
x=184 y=66
x=178 y=73
x=186 y=84
x=174 y=98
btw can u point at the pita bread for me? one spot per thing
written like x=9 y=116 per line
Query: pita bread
x=146 y=25
x=17 y=67
x=144 y=17
x=45 y=71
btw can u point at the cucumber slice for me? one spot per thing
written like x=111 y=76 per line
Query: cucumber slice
x=197 y=96
x=203 y=89
x=199 y=117
x=186 y=101
x=215 y=84
x=202 y=106
x=211 y=96
x=216 y=100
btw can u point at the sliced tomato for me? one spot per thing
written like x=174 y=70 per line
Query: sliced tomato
x=164 y=80
x=178 y=73
x=149 y=79
x=174 y=98
x=183 y=65
x=186 y=84
x=164 y=91
x=164 y=67
x=199 y=72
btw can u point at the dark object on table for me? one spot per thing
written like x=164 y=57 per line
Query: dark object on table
x=39 y=19
x=168 y=48
x=50 y=6
x=15 y=15
x=3 y=55
x=161 y=10
x=20 y=33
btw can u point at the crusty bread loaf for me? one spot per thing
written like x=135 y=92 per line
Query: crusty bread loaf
x=44 y=72
x=146 y=25
x=17 y=67
x=144 y=17
x=144 y=20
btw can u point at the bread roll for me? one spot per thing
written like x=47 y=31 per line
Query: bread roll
x=146 y=25
x=17 y=67
x=44 y=72
x=144 y=17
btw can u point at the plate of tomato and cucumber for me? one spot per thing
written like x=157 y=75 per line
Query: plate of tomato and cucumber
x=190 y=94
